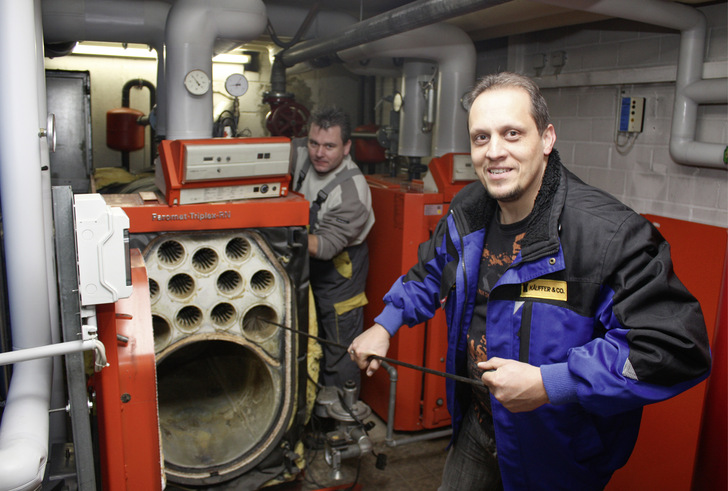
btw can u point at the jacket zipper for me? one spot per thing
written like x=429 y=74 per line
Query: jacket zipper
x=458 y=229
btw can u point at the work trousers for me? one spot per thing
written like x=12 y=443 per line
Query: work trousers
x=338 y=289
x=472 y=463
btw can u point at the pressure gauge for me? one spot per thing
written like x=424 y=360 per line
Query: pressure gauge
x=197 y=82
x=236 y=84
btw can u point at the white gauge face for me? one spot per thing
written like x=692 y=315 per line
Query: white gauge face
x=236 y=84
x=197 y=82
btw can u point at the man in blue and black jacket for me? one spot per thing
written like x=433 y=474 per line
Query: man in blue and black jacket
x=561 y=299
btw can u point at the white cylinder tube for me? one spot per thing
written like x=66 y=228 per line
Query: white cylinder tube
x=192 y=28
x=24 y=426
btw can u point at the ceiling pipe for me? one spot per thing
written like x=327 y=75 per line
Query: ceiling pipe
x=24 y=429
x=453 y=51
x=410 y=16
x=129 y=21
x=690 y=88
x=191 y=31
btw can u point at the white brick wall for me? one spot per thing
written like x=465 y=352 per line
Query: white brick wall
x=585 y=114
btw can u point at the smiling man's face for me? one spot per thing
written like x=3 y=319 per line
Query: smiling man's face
x=509 y=154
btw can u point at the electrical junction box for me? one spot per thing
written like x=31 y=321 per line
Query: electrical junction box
x=102 y=244
x=632 y=114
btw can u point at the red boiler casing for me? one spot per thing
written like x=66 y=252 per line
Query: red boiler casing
x=406 y=216
x=126 y=391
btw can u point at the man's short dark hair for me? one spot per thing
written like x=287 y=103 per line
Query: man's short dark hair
x=539 y=108
x=331 y=116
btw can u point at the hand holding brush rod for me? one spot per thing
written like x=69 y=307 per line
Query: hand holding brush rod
x=459 y=378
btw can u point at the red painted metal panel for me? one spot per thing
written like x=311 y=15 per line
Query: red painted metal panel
x=665 y=452
x=712 y=454
x=157 y=216
x=401 y=225
x=126 y=391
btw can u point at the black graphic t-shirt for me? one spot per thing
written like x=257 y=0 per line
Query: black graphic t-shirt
x=500 y=249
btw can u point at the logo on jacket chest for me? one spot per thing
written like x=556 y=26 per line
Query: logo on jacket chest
x=545 y=289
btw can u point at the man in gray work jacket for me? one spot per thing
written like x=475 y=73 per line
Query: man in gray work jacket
x=558 y=297
x=340 y=218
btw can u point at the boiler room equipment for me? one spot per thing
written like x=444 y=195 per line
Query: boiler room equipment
x=231 y=384
x=406 y=215
x=222 y=169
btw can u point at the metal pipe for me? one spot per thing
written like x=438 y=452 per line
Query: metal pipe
x=51 y=350
x=389 y=438
x=392 y=372
x=453 y=51
x=24 y=429
x=127 y=21
x=191 y=31
x=692 y=26
x=420 y=438
x=411 y=16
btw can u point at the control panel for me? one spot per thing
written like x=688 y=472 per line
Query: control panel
x=223 y=169
x=632 y=114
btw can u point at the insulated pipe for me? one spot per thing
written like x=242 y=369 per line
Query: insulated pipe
x=692 y=25
x=129 y=21
x=453 y=51
x=24 y=426
x=286 y=21
x=57 y=423
x=413 y=142
x=411 y=16
x=191 y=30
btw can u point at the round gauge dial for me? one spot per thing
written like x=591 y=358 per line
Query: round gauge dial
x=197 y=82
x=236 y=84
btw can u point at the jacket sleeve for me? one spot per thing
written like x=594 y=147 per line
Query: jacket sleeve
x=414 y=297
x=655 y=343
x=345 y=217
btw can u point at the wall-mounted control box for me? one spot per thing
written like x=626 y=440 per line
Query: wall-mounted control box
x=632 y=114
x=102 y=242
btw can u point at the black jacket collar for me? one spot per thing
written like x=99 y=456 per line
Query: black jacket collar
x=542 y=233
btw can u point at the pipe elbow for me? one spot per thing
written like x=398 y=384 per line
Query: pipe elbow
x=22 y=465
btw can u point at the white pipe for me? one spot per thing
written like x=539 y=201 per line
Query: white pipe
x=286 y=21
x=57 y=423
x=454 y=53
x=56 y=349
x=24 y=426
x=192 y=28
x=129 y=21
x=692 y=25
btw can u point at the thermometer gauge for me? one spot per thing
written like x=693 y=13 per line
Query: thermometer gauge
x=197 y=82
x=236 y=84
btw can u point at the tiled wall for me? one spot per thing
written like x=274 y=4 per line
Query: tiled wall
x=604 y=61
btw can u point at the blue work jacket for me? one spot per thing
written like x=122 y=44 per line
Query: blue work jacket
x=591 y=299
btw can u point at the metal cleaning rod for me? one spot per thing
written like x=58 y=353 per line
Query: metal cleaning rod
x=471 y=381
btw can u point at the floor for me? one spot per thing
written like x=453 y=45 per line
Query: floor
x=414 y=461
